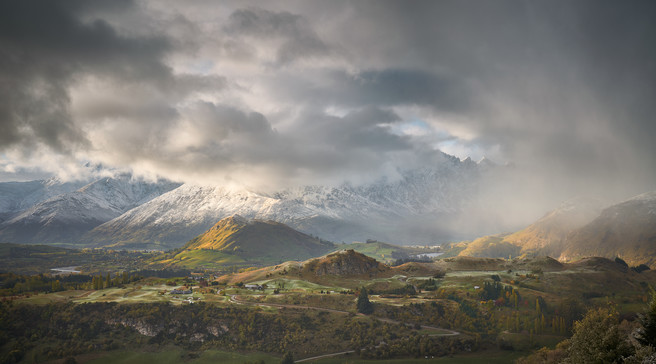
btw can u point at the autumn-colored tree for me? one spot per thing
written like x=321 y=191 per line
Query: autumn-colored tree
x=597 y=339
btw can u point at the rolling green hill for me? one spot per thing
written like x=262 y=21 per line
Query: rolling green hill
x=239 y=241
x=386 y=252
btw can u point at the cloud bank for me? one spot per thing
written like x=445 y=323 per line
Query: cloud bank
x=286 y=93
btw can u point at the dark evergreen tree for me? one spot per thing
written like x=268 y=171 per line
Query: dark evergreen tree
x=364 y=305
x=287 y=358
x=646 y=335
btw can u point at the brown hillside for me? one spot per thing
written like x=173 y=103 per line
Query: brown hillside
x=344 y=263
x=343 y=266
x=493 y=246
x=626 y=230
x=547 y=235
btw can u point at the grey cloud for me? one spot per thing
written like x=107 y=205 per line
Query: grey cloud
x=388 y=87
x=564 y=88
x=43 y=46
x=316 y=90
x=296 y=36
x=217 y=142
x=399 y=86
x=363 y=129
x=228 y=123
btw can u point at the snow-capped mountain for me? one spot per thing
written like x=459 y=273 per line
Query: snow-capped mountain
x=18 y=196
x=64 y=217
x=383 y=210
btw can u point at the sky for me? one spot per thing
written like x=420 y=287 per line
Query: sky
x=279 y=93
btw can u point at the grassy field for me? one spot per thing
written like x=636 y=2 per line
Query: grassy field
x=384 y=252
x=201 y=259
x=380 y=251
x=297 y=285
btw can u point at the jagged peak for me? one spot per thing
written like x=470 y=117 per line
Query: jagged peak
x=486 y=162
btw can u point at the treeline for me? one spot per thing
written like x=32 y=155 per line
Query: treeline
x=12 y=284
x=59 y=330
x=119 y=279
x=17 y=284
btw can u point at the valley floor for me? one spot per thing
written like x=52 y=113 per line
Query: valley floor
x=459 y=310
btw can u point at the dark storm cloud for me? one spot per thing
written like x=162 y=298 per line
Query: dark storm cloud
x=43 y=46
x=564 y=88
x=583 y=95
x=300 y=92
x=388 y=87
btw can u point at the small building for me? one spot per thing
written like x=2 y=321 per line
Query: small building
x=197 y=276
x=254 y=287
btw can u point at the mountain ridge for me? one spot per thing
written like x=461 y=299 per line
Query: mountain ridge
x=418 y=207
x=65 y=217
x=579 y=229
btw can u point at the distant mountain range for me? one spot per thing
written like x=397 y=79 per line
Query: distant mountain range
x=51 y=212
x=416 y=207
x=420 y=205
x=423 y=205
x=16 y=197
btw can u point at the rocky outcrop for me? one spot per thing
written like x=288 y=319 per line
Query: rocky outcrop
x=139 y=325
x=344 y=263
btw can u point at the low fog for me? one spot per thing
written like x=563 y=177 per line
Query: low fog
x=271 y=95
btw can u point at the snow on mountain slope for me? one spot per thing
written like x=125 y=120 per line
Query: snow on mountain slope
x=65 y=217
x=18 y=196
x=177 y=216
x=345 y=213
